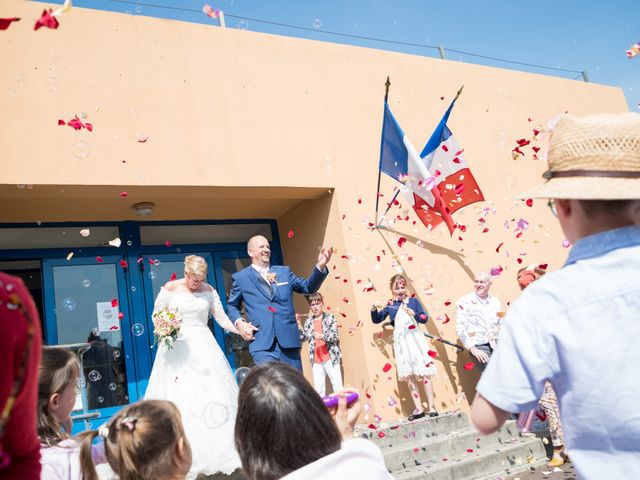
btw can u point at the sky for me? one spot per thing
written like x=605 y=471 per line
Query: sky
x=573 y=35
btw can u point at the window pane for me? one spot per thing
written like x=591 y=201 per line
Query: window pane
x=185 y=234
x=235 y=343
x=84 y=314
x=55 y=237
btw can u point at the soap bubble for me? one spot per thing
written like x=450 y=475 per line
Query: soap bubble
x=81 y=149
x=94 y=375
x=69 y=304
x=129 y=243
x=137 y=329
x=86 y=283
x=428 y=268
x=508 y=180
x=112 y=386
x=446 y=279
x=95 y=332
x=152 y=275
x=133 y=289
x=20 y=81
x=243 y=25
x=52 y=84
x=138 y=9
x=241 y=374
x=215 y=414
x=317 y=23
x=116 y=354
x=100 y=399
x=20 y=186
x=502 y=139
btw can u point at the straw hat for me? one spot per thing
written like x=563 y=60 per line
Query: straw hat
x=593 y=158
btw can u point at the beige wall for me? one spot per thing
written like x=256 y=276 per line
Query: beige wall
x=269 y=124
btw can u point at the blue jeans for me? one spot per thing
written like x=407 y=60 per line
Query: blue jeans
x=276 y=353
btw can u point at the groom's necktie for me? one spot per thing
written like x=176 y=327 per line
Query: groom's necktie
x=264 y=281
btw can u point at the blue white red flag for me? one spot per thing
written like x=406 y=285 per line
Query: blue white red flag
x=436 y=182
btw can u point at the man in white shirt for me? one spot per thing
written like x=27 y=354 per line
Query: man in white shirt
x=578 y=327
x=478 y=321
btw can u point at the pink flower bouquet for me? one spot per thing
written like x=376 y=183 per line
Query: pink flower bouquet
x=166 y=323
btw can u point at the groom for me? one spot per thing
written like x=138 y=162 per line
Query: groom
x=267 y=293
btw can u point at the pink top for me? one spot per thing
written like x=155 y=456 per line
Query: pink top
x=321 y=353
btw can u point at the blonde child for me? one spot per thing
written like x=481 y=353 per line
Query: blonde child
x=57 y=380
x=144 y=441
x=409 y=346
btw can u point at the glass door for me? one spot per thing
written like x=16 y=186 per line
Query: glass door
x=226 y=264
x=158 y=269
x=87 y=310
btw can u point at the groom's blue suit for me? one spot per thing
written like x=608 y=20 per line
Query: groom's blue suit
x=270 y=308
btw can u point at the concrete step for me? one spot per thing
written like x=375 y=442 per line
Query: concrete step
x=384 y=433
x=407 y=453
x=497 y=460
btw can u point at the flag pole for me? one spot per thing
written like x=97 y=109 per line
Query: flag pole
x=398 y=191
x=387 y=84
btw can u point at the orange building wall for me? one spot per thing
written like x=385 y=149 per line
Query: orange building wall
x=243 y=125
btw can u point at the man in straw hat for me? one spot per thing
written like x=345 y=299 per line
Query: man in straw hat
x=578 y=327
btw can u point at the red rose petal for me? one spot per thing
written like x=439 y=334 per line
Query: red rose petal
x=75 y=123
x=456 y=160
x=61 y=122
x=114 y=302
x=174 y=275
x=46 y=20
x=468 y=366
x=459 y=188
x=422 y=316
x=99 y=259
x=445 y=148
x=88 y=126
x=529 y=202
x=290 y=234
x=124 y=194
x=469 y=450
x=433 y=353
x=543 y=266
x=499 y=247
x=120 y=315
x=124 y=264
x=6 y=22
x=271 y=309
x=380 y=434
x=523 y=142
x=447 y=303
x=167 y=243
x=411 y=327
x=401 y=241
x=446 y=319
x=359 y=200
x=386 y=368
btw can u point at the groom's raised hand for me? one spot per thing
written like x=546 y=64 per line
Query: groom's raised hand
x=323 y=257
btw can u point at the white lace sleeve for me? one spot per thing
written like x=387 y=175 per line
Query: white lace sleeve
x=162 y=300
x=219 y=314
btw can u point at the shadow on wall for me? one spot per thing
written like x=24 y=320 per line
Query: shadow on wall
x=467 y=379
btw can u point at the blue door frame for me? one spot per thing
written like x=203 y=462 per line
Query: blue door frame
x=136 y=299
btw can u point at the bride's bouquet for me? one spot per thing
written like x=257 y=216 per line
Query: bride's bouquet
x=166 y=323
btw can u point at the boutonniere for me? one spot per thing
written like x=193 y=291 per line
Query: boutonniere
x=271 y=277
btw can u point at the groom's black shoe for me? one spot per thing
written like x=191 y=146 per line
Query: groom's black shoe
x=416 y=416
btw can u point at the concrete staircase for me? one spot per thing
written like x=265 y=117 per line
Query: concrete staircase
x=449 y=448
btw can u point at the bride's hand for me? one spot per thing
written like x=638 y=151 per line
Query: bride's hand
x=246 y=329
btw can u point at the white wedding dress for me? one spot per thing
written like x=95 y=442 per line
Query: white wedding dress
x=196 y=376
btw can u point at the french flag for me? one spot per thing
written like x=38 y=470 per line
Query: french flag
x=437 y=182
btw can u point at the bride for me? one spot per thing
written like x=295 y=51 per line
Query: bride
x=195 y=374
